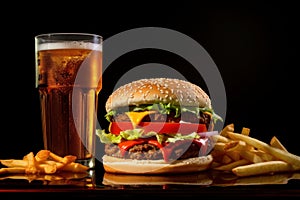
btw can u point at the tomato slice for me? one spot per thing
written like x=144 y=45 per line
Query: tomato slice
x=159 y=127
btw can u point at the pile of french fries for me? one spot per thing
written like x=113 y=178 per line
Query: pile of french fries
x=246 y=156
x=44 y=162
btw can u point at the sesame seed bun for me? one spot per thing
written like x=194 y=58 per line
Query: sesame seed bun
x=153 y=90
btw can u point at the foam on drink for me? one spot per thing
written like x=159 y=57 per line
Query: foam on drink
x=69 y=45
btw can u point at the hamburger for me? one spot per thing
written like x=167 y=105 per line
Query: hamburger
x=158 y=126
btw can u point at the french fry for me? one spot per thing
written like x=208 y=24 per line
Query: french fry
x=42 y=155
x=235 y=146
x=67 y=159
x=217 y=155
x=234 y=155
x=276 y=143
x=290 y=158
x=219 y=146
x=263 y=155
x=232 y=165
x=39 y=167
x=228 y=128
x=14 y=163
x=31 y=168
x=262 y=168
x=250 y=156
x=245 y=131
x=220 y=139
x=46 y=168
x=44 y=162
x=12 y=170
x=226 y=159
x=75 y=167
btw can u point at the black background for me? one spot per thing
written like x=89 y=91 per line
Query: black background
x=255 y=48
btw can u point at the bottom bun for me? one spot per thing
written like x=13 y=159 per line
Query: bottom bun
x=130 y=166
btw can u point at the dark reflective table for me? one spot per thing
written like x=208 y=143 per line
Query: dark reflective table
x=97 y=184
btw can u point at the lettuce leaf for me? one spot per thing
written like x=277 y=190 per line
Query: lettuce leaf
x=109 y=138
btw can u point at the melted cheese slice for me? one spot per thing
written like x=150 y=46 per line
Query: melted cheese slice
x=137 y=117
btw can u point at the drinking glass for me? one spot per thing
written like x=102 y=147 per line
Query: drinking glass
x=69 y=79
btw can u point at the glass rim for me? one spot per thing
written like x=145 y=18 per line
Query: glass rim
x=49 y=41
x=67 y=33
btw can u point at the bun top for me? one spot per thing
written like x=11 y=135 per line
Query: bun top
x=155 y=90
